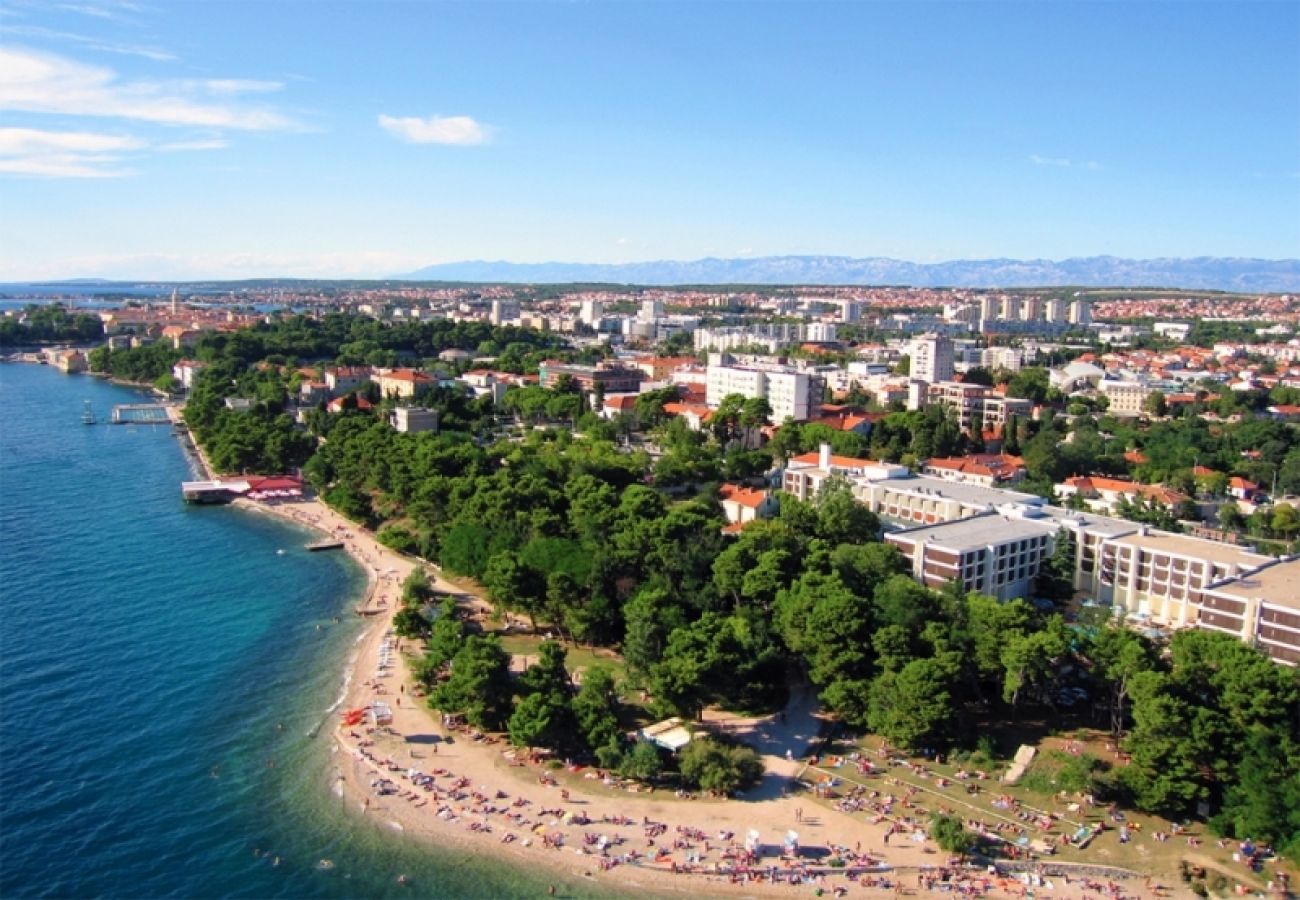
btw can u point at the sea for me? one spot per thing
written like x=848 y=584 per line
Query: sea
x=168 y=679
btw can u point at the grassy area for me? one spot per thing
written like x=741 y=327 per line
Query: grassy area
x=574 y=657
x=1047 y=789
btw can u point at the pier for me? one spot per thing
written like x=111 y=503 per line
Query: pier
x=140 y=414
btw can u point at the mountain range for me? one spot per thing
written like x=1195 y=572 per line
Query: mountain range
x=1199 y=273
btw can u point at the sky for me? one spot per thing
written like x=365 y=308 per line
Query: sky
x=226 y=139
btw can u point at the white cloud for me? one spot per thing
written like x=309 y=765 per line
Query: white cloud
x=1063 y=163
x=38 y=31
x=45 y=83
x=458 y=130
x=208 y=144
x=64 y=154
x=227 y=86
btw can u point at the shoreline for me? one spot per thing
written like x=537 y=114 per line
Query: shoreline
x=469 y=794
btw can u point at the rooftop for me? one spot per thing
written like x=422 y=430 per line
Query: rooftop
x=970 y=494
x=1279 y=584
x=977 y=532
x=1195 y=548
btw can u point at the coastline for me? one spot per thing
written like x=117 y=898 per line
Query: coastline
x=481 y=801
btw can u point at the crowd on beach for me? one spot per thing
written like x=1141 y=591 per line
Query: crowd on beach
x=609 y=841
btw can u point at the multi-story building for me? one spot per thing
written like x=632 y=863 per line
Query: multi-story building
x=341 y=379
x=771 y=336
x=1080 y=312
x=900 y=497
x=793 y=394
x=998 y=410
x=1126 y=397
x=932 y=358
x=614 y=378
x=1153 y=574
x=997 y=555
x=1261 y=607
x=503 y=311
x=805 y=475
x=987 y=469
x=413 y=419
x=966 y=401
x=402 y=383
x=1056 y=311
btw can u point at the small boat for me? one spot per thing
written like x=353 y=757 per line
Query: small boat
x=87 y=414
x=325 y=545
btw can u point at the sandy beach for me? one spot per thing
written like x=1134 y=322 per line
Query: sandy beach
x=469 y=791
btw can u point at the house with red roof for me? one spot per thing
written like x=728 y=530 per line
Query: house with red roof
x=402 y=383
x=1102 y=494
x=743 y=504
x=805 y=475
x=986 y=469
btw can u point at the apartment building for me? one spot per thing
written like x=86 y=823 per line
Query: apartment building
x=999 y=410
x=793 y=394
x=503 y=311
x=965 y=400
x=769 y=335
x=932 y=358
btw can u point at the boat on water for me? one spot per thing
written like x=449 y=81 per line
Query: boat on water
x=87 y=414
x=325 y=545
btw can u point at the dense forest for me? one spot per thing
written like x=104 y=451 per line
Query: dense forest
x=569 y=525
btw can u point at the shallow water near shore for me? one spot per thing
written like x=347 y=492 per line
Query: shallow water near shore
x=165 y=674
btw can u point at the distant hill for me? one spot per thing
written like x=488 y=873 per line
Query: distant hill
x=1200 y=273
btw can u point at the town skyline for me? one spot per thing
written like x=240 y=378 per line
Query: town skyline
x=387 y=138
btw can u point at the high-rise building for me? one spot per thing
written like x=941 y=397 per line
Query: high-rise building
x=932 y=358
x=1080 y=313
x=503 y=311
x=1057 y=310
x=651 y=309
x=590 y=312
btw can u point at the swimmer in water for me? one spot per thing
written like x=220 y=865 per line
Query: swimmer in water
x=401 y=879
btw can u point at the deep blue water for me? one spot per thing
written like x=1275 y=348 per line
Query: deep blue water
x=162 y=674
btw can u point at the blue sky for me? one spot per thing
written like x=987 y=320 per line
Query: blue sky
x=229 y=139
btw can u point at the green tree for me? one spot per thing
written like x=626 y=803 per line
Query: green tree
x=595 y=707
x=718 y=768
x=950 y=834
x=479 y=686
x=642 y=762
x=915 y=706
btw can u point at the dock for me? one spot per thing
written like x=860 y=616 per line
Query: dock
x=325 y=545
x=140 y=414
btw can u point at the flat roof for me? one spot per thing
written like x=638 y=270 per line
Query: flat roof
x=1097 y=524
x=974 y=494
x=1278 y=584
x=977 y=532
x=1196 y=548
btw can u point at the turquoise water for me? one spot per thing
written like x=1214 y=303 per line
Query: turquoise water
x=162 y=676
